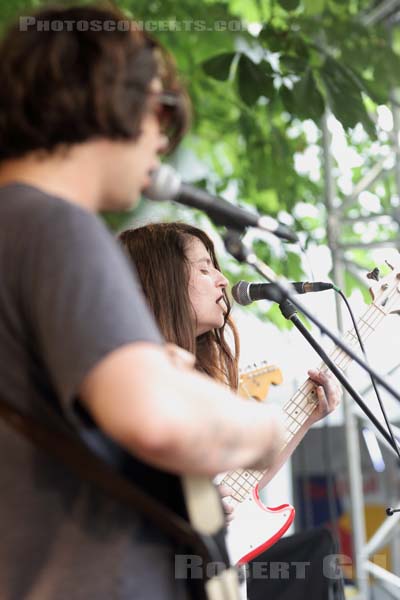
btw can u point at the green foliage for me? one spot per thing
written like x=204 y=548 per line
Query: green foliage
x=351 y=283
x=289 y=4
x=254 y=90
x=314 y=7
x=219 y=66
x=308 y=102
x=253 y=80
x=344 y=94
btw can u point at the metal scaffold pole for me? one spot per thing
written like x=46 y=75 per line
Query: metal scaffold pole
x=351 y=431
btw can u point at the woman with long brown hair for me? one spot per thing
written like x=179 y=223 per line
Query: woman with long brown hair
x=186 y=290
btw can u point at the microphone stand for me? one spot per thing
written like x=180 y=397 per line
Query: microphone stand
x=289 y=312
x=282 y=291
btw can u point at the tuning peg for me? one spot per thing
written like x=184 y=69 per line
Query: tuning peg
x=389 y=265
x=374 y=274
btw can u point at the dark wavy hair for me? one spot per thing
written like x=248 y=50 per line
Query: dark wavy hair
x=158 y=253
x=62 y=87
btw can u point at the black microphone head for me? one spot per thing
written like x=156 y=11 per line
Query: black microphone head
x=240 y=293
x=165 y=184
x=322 y=286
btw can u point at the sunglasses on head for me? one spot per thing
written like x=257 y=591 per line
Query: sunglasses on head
x=172 y=110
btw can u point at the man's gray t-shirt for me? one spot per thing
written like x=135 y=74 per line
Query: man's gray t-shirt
x=68 y=297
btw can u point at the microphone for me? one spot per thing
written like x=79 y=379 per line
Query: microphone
x=167 y=185
x=244 y=292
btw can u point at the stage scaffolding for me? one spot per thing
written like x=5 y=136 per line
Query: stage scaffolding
x=363 y=551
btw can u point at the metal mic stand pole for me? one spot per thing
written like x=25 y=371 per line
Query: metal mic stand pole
x=289 y=312
x=283 y=291
x=386 y=530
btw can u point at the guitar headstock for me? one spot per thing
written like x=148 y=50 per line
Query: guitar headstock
x=385 y=292
x=254 y=381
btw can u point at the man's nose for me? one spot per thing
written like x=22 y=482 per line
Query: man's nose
x=162 y=144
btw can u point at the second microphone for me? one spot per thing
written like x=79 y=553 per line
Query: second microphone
x=245 y=293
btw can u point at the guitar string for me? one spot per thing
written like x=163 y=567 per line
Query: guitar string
x=379 y=314
x=340 y=363
x=239 y=480
x=243 y=481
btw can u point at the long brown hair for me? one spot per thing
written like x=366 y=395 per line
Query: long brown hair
x=158 y=253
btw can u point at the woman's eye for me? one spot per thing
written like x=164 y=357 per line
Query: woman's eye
x=205 y=271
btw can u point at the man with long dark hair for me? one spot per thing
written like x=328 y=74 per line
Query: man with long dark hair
x=85 y=112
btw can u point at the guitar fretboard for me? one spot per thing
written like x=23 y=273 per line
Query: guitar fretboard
x=298 y=409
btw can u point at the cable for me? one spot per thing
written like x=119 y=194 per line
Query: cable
x=395 y=444
x=330 y=479
x=303 y=251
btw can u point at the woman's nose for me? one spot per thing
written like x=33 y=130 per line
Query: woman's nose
x=222 y=280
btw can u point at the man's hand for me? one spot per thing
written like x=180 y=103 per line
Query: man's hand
x=329 y=393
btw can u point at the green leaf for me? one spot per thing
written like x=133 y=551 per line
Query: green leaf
x=266 y=201
x=308 y=100
x=374 y=90
x=275 y=40
x=289 y=4
x=288 y=99
x=253 y=81
x=314 y=7
x=294 y=267
x=219 y=66
x=351 y=283
x=294 y=64
x=344 y=94
x=275 y=316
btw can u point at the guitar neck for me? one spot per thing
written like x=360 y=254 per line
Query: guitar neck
x=302 y=404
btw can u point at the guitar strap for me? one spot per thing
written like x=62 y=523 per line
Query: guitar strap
x=79 y=459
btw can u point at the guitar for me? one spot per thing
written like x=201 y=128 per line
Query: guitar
x=256 y=527
x=203 y=504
